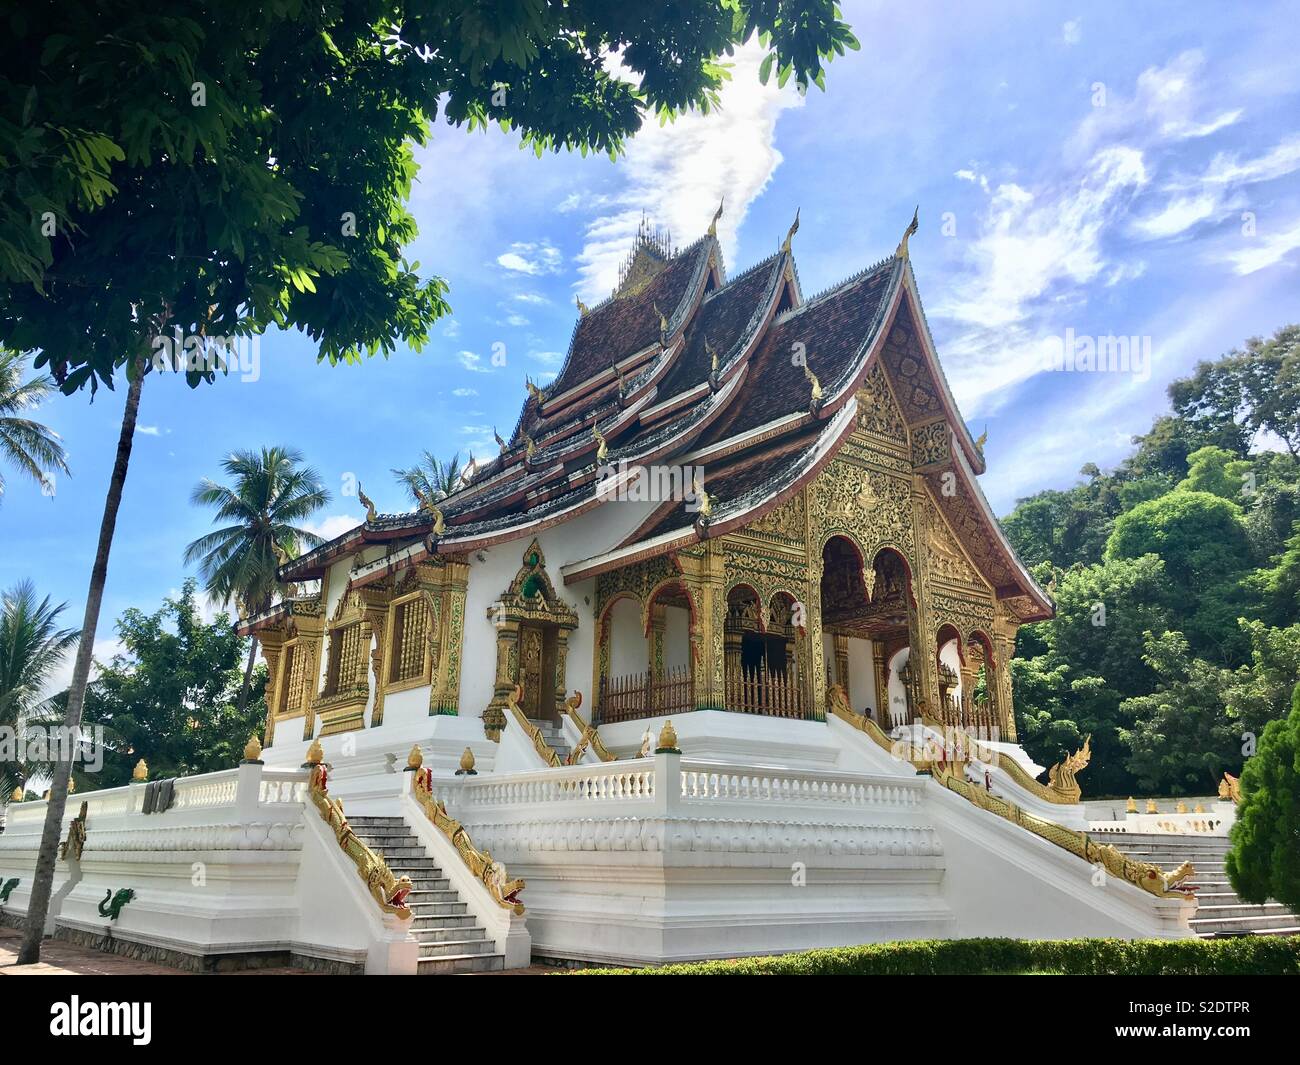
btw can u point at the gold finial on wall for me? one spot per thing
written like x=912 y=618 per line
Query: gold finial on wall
x=17 y=795
x=467 y=763
x=789 y=236
x=713 y=226
x=315 y=753
x=416 y=758
x=141 y=770
x=602 y=448
x=901 y=251
x=668 y=739
x=705 y=500
x=365 y=501
x=253 y=749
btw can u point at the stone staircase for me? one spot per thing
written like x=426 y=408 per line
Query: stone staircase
x=552 y=734
x=1220 y=912
x=451 y=939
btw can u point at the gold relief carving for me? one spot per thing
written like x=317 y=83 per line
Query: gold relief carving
x=785 y=522
x=878 y=413
x=930 y=444
x=872 y=506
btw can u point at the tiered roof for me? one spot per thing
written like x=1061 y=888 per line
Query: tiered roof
x=682 y=366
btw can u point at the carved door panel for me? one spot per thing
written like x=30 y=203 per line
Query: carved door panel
x=531 y=643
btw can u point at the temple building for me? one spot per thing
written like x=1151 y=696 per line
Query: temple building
x=732 y=497
x=711 y=659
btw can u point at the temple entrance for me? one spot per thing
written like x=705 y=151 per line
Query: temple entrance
x=865 y=629
x=760 y=665
x=538 y=644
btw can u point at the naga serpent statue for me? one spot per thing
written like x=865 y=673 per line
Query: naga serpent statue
x=113 y=909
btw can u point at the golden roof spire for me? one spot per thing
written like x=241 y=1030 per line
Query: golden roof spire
x=794 y=228
x=713 y=226
x=816 y=385
x=583 y=309
x=705 y=500
x=366 y=502
x=901 y=251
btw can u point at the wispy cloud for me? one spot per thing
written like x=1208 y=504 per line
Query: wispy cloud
x=677 y=174
x=473 y=361
x=1264 y=250
x=532 y=257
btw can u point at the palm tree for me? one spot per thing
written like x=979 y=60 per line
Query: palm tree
x=32 y=646
x=27 y=444
x=272 y=492
x=430 y=478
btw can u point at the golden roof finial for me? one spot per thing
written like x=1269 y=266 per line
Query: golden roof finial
x=583 y=309
x=533 y=390
x=705 y=500
x=530 y=448
x=668 y=739
x=981 y=440
x=439 y=522
x=901 y=251
x=794 y=228
x=497 y=437
x=416 y=758
x=713 y=226
x=602 y=449
x=1132 y=805
x=253 y=749
x=365 y=502
x=315 y=753
x=1152 y=808
x=663 y=324
x=141 y=770
x=816 y=385
x=467 y=475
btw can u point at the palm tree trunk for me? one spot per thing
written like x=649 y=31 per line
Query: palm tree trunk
x=248 y=675
x=30 y=953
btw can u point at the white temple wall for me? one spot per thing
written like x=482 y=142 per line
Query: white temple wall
x=897 y=693
x=629 y=651
x=949 y=657
x=862 y=674
x=677 y=637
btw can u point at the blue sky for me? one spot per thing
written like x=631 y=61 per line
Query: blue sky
x=1094 y=168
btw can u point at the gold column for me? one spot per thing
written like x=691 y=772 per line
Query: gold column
x=311 y=639
x=270 y=643
x=494 y=717
x=999 y=676
x=704 y=575
x=842 y=664
x=880 y=664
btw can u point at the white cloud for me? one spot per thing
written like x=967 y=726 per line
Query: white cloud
x=534 y=298
x=451 y=328
x=533 y=258
x=678 y=173
x=151 y=430
x=332 y=526
x=472 y=361
x=570 y=203
x=974 y=177
x=463 y=392
x=1267 y=249
x=548 y=358
x=1072 y=31
x=516 y=320
x=1178 y=215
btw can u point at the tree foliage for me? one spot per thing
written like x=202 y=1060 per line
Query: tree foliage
x=169 y=696
x=1264 y=862
x=1191 y=546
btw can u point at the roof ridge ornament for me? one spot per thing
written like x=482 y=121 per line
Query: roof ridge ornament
x=901 y=251
x=602 y=450
x=713 y=226
x=530 y=447
x=533 y=390
x=789 y=236
x=816 y=385
x=431 y=508
x=663 y=325
x=622 y=381
x=583 y=309
x=981 y=440
x=500 y=443
x=365 y=501
x=705 y=500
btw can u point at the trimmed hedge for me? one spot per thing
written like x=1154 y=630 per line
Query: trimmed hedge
x=1254 y=955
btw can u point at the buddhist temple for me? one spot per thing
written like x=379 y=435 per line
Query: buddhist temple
x=712 y=659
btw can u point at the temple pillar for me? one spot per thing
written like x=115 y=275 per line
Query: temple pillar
x=842 y=664
x=880 y=667
x=271 y=644
x=998 y=677
x=445 y=589
x=704 y=576
x=494 y=717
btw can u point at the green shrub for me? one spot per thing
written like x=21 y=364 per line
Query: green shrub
x=1259 y=955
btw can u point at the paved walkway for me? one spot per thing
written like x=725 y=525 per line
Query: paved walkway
x=66 y=959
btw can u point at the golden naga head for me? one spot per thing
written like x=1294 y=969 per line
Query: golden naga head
x=574 y=701
x=901 y=251
x=533 y=390
x=713 y=226
x=366 y=502
x=789 y=236
x=706 y=501
x=497 y=437
x=816 y=385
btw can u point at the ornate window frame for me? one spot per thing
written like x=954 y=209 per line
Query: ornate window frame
x=394 y=627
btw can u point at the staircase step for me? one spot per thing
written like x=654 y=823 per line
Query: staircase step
x=441 y=948
x=461 y=933
x=462 y=963
x=429 y=909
